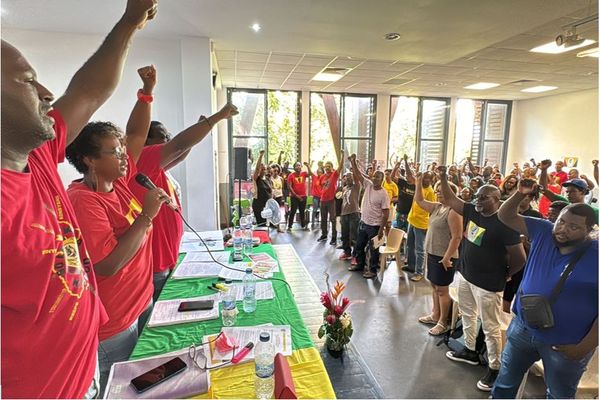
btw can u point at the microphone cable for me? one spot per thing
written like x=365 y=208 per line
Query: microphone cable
x=224 y=265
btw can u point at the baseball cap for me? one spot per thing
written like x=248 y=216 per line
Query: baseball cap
x=578 y=183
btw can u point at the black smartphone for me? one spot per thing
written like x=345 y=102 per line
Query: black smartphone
x=159 y=374
x=196 y=305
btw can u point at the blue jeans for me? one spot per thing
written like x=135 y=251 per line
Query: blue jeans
x=119 y=347
x=365 y=234
x=159 y=279
x=415 y=248
x=522 y=349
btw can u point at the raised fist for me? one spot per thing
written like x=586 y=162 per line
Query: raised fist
x=228 y=110
x=595 y=163
x=545 y=164
x=148 y=75
x=138 y=12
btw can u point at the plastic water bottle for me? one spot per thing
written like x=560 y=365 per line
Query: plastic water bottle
x=247 y=234
x=249 y=291
x=264 y=361
x=228 y=307
x=238 y=245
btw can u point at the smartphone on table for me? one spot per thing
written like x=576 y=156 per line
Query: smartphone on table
x=150 y=379
x=196 y=305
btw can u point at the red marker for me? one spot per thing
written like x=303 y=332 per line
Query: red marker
x=242 y=354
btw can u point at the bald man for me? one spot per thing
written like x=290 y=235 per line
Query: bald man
x=491 y=253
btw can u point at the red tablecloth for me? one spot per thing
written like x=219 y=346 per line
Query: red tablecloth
x=262 y=235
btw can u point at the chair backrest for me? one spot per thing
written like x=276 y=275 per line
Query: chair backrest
x=394 y=239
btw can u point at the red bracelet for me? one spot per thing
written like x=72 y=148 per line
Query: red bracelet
x=144 y=98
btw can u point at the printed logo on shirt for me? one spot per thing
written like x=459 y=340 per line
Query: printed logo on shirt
x=134 y=209
x=299 y=179
x=474 y=233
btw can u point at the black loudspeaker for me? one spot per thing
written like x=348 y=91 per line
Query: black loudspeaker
x=240 y=163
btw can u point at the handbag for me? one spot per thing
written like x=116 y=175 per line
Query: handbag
x=537 y=309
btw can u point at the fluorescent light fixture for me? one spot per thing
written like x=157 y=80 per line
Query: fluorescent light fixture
x=553 y=48
x=594 y=52
x=539 y=89
x=482 y=86
x=327 y=77
x=255 y=27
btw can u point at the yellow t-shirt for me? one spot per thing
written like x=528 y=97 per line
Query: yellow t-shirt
x=418 y=217
x=391 y=189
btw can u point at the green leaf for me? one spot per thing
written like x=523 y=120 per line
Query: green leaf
x=321 y=331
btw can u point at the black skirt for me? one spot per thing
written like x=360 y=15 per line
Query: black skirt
x=437 y=274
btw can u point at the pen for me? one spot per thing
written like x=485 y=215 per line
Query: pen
x=213 y=288
x=242 y=354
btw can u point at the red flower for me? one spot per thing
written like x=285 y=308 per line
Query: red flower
x=338 y=310
x=345 y=303
x=330 y=319
x=326 y=300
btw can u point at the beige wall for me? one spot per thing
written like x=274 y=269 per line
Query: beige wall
x=554 y=127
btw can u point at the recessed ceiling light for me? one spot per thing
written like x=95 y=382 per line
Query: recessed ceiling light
x=538 y=89
x=482 y=86
x=553 y=48
x=391 y=36
x=327 y=77
x=255 y=27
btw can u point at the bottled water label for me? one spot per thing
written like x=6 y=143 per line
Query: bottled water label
x=228 y=304
x=264 y=371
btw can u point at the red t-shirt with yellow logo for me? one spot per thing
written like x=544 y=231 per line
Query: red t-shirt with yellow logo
x=51 y=311
x=167 y=226
x=103 y=218
x=298 y=182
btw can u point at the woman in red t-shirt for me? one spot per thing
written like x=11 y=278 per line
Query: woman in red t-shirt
x=316 y=191
x=115 y=226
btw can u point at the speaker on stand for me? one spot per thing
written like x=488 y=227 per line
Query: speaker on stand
x=241 y=171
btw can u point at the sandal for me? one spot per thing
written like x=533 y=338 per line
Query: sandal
x=427 y=320
x=439 y=329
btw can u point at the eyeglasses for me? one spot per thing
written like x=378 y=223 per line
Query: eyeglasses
x=197 y=355
x=119 y=152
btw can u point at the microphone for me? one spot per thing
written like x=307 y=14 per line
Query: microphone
x=148 y=184
x=145 y=181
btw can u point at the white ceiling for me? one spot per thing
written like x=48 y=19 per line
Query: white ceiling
x=445 y=44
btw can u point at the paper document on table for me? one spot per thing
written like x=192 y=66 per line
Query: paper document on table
x=166 y=312
x=206 y=235
x=281 y=338
x=212 y=239
x=264 y=263
x=190 y=382
x=263 y=291
x=206 y=257
x=196 y=270
x=238 y=271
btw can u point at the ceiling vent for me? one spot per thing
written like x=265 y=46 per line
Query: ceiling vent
x=522 y=82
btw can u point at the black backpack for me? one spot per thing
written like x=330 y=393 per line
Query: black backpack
x=453 y=339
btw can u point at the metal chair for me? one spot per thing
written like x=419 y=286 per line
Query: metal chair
x=392 y=246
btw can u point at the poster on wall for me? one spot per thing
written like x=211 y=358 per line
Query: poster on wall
x=571 y=162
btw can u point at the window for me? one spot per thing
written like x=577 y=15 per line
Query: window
x=482 y=131
x=418 y=128
x=341 y=121
x=268 y=120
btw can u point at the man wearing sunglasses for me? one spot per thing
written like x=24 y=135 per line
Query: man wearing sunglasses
x=491 y=253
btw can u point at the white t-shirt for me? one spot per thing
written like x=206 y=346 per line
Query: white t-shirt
x=373 y=204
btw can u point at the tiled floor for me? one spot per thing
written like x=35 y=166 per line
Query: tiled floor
x=402 y=356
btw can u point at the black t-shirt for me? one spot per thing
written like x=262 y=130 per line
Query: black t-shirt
x=484 y=259
x=406 y=193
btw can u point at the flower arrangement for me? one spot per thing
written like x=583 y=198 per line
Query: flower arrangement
x=337 y=323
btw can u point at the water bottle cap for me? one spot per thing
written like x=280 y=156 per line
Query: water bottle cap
x=265 y=337
x=248 y=270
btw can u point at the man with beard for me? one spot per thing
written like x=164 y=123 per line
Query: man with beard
x=491 y=252
x=567 y=345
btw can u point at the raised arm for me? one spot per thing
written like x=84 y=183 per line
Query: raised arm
x=341 y=163
x=426 y=205
x=308 y=168
x=543 y=167
x=279 y=159
x=451 y=199
x=395 y=171
x=509 y=210
x=258 y=163
x=96 y=80
x=358 y=177
x=591 y=184
x=596 y=174
x=410 y=178
x=139 y=120
x=181 y=144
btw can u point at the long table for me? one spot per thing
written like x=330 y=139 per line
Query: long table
x=308 y=372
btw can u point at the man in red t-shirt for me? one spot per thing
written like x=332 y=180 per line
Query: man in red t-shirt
x=328 y=188
x=51 y=311
x=297 y=184
x=562 y=175
x=161 y=154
